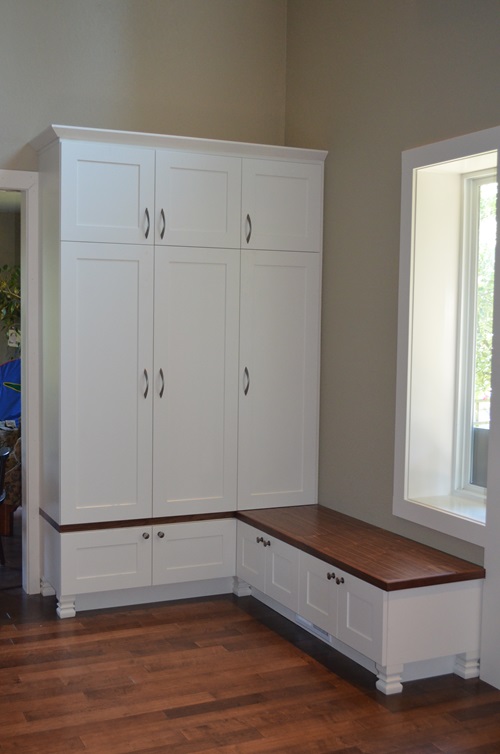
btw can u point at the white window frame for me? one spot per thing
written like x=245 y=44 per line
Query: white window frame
x=428 y=335
x=472 y=183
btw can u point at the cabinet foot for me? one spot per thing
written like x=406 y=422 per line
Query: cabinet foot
x=389 y=679
x=467 y=665
x=66 y=606
x=46 y=589
x=241 y=588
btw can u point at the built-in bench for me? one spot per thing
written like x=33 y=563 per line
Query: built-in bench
x=393 y=600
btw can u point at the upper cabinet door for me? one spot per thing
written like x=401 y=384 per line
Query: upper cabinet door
x=279 y=373
x=198 y=200
x=282 y=205
x=107 y=193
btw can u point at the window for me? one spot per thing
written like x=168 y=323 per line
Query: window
x=477 y=276
x=448 y=231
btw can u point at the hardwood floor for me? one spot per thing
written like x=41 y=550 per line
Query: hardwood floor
x=213 y=675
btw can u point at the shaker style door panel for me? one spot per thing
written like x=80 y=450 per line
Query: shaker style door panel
x=194 y=551
x=107 y=193
x=282 y=205
x=362 y=616
x=318 y=592
x=268 y=564
x=198 y=200
x=195 y=380
x=282 y=573
x=107 y=559
x=250 y=556
x=279 y=353
x=105 y=386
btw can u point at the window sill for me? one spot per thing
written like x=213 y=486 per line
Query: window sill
x=461 y=517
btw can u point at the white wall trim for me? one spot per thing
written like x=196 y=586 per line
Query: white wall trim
x=27 y=184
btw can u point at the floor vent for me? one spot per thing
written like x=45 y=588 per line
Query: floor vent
x=312 y=628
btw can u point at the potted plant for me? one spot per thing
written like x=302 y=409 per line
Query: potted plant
x=10 y=303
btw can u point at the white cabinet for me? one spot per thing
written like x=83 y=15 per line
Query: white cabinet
x=102 y=375
x=158 y=400
x=195 y=380
x=279 y=379
x=282 y=205
x=268 y=564
x=86 y=562
x=349 y=609
x=391 y=632
x=107 y=192
x=198 y=199
x=194 y=551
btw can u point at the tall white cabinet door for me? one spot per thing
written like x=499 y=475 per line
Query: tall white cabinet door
x=282 y=205
x=198 y=200
x=279 y=353
x=196 y=380
x=105 y=382
x=107 y=193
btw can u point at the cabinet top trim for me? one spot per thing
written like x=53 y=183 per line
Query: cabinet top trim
x=183 y=143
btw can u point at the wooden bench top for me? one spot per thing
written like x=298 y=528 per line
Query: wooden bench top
x=380 y=557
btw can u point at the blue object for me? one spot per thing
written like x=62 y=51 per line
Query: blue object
x=10 y=391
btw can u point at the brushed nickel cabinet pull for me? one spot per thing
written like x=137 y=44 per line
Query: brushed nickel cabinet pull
x=162 y=377
x=163 y=224
x=148 y=221
x=249 y=226
x=146 y=377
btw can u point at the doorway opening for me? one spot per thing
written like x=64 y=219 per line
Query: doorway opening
x=23 y=186
x=10 y=389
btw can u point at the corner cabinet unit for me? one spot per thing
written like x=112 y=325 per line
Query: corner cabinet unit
x=181 y=325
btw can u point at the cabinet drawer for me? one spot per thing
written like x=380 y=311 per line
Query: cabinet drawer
x=194 y=551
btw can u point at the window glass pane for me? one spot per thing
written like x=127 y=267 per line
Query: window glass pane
x=483 y=331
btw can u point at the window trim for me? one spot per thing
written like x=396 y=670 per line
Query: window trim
x=472 y=183
x=461 y=516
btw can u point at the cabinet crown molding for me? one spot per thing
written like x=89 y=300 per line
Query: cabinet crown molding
x=186 y=143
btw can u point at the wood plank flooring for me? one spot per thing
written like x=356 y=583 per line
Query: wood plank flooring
x=213 y=675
